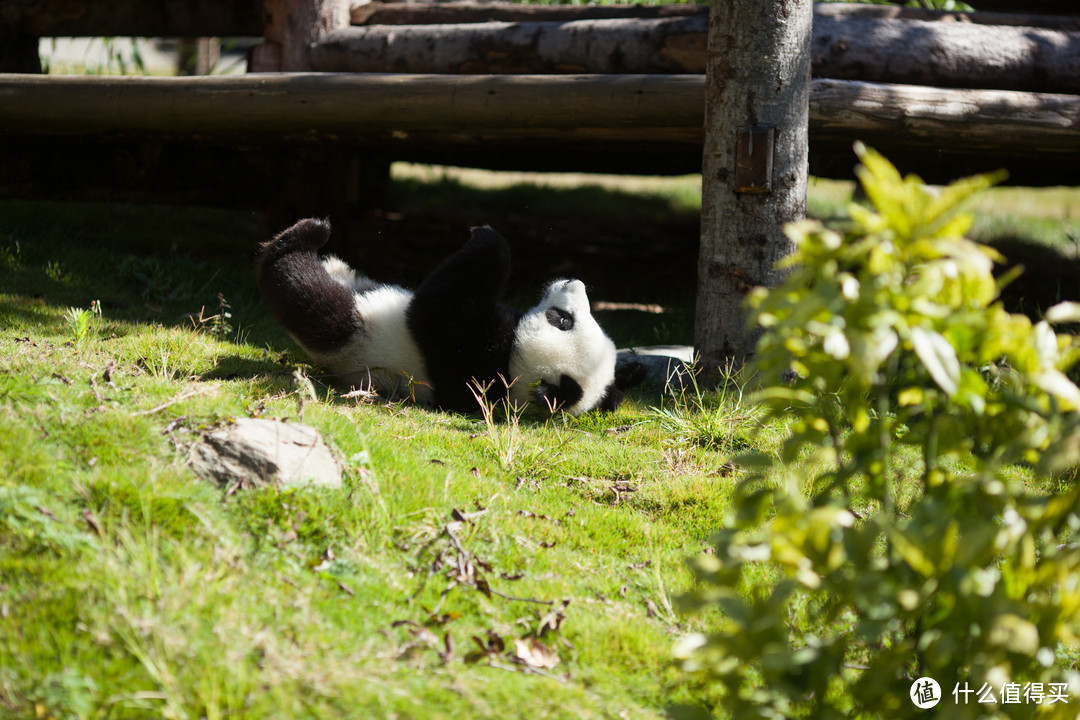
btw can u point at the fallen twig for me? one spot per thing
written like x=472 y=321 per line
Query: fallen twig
x=187 y=394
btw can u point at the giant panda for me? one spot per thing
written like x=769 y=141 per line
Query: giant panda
x=431 y=345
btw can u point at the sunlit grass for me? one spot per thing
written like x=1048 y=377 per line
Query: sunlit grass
x=133 y=588
x=130 y=587
x=683 y=192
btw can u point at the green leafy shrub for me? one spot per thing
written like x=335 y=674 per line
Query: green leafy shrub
x=903 y=541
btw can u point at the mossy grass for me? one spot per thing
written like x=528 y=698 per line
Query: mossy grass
x=131 y=588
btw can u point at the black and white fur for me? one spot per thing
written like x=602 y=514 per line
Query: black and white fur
x=452 y=332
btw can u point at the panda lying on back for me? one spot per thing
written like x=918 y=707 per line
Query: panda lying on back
x=432 y=344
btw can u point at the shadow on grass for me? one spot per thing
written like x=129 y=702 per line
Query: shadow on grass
x=31 y=313
x=160 y=264
x=1050 y=275
x=276 y=373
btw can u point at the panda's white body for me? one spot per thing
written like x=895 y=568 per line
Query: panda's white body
x=433 y=344
x=384 y=357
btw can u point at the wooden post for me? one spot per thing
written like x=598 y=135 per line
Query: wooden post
x=291 y=27
x=329 y=185
x=197 y=56
x=754 y=164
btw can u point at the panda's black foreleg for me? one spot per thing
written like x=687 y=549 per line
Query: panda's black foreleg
x=459 y=324
x=476 y=272
x=317 y=311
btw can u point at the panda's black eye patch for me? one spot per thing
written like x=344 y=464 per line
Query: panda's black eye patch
x=559 y=318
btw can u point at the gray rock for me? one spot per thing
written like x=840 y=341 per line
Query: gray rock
x=254 y=452
x=666 y=366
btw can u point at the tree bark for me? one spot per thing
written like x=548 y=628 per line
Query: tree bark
x=946 y=54
x=461 y=108
x=292 y=26
x=351 y=106
x=664 y=45
x=933 y=118
x=467 y=11
x=877 y=44
x=754 y=163
x=893 y=12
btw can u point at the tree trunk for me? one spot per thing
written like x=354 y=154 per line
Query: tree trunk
x=754 y=163
x=197 y=56
x=292 y=26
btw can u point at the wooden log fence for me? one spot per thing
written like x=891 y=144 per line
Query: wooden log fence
x=523 y=81
x=347 y=106
x=983 y=51
x=967 y=130
x=478 y=11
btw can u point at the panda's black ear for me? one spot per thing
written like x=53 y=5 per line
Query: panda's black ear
x=613 y=396
x=629 y=375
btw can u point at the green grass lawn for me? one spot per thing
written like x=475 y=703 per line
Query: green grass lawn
x=520 y=569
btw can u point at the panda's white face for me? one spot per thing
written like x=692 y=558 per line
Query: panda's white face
x=559 y=345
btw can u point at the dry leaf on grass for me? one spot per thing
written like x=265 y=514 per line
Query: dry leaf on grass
x=532 y=652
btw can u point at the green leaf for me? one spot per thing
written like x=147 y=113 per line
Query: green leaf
x=911 y=552
x=1064 y=312
x=751 y=509
x=1015 y=634
x=938 y=357
x=782 y=394
x=1055 y=383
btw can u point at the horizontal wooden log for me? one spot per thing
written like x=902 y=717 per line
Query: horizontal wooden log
x=356 y=105
x=663 y=45
x=183 y=18
x=842 y=11
x=148 y=18
x=136 y=18
x=346 y=104
x=545 y=122
x=468 y=11
x=852 y=45
x=1003 y=121
x=943 y=54
x=473 y=11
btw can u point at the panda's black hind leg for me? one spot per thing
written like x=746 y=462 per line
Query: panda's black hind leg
x=319 y=312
